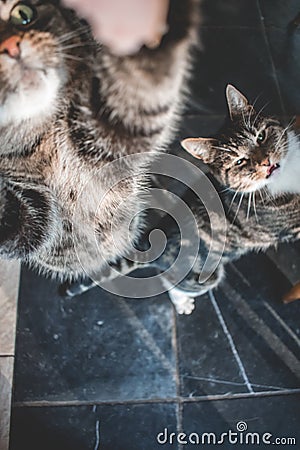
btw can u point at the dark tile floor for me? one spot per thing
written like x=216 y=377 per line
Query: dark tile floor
x=105 y=372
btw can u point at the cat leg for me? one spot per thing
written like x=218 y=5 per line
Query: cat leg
x=184 y=304
x=114 y=270
x=72 y=289
x=183 y=301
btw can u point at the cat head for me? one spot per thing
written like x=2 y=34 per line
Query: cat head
x=39 y=42
x=248 y=152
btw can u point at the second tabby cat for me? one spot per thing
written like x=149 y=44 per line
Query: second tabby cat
x=255 y=163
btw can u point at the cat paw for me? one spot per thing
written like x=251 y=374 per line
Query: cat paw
x=185 y=306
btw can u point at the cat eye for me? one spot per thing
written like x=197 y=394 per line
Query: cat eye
x=22 y=15
x=261 y=137
x=240 y=161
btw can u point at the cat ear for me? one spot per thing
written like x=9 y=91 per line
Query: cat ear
x=201 y=148
x=237 y=102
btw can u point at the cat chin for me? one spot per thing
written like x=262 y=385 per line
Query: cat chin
x=34 y=100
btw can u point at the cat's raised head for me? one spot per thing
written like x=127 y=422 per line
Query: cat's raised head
x=37 y=53
x=248 y=152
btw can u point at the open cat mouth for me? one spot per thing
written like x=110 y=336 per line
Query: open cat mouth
x=272 y=169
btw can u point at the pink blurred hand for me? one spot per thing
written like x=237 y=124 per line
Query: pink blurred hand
x=124 y=25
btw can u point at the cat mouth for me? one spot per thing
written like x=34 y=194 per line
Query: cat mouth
x=273 y=168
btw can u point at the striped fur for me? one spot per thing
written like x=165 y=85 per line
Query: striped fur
x=74 y=108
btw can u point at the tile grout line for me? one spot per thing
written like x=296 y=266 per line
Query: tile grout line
x=175 y=400
x=232 y=383
x=231 y=342
x=179 y=406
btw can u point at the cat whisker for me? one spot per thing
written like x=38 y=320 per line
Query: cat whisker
x=261 y=196
x=232 y=201
x=256 y=100
x=251 y=111
x=73 y=58
x=249 y=205
x=259 y=113
x=280 y=139
x=269 y=196
x=71 y=35
x=254 y=207
x=238 y=191
x=71 y=46
x=225 y=190
x=249 y=119
x=238 y=208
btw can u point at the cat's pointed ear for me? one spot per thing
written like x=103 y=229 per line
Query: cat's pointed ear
x=201 y=148
x=237 y=102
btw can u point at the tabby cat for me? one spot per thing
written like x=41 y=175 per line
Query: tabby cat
x=255 y=164
x=67 y=108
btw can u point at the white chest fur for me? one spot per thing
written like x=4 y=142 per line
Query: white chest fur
x=288 y=179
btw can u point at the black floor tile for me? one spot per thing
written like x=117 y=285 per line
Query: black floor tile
x=285 y=50
x=265 y=332
x=279 y=14
x=241 y=13
x=232 y=56
x=277 y=416
x=287 y=259
x=207 y=364
x=200 y=125
x=95 y=347
x=121 y=427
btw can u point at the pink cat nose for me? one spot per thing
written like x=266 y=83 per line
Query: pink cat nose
x=11 y=46
x=266 y=162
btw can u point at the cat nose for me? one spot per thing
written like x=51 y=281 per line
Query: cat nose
x=11 y=47
x=265 y=162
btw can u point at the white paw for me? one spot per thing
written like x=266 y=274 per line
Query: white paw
x=186 y=305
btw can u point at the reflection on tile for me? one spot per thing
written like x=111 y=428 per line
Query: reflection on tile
x=9 y=286
x=266 y=332
x=6 y=375
x=278 y=416
x=120 y=427
x=95 y=347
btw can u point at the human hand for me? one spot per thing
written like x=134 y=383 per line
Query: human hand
x=124 y=25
